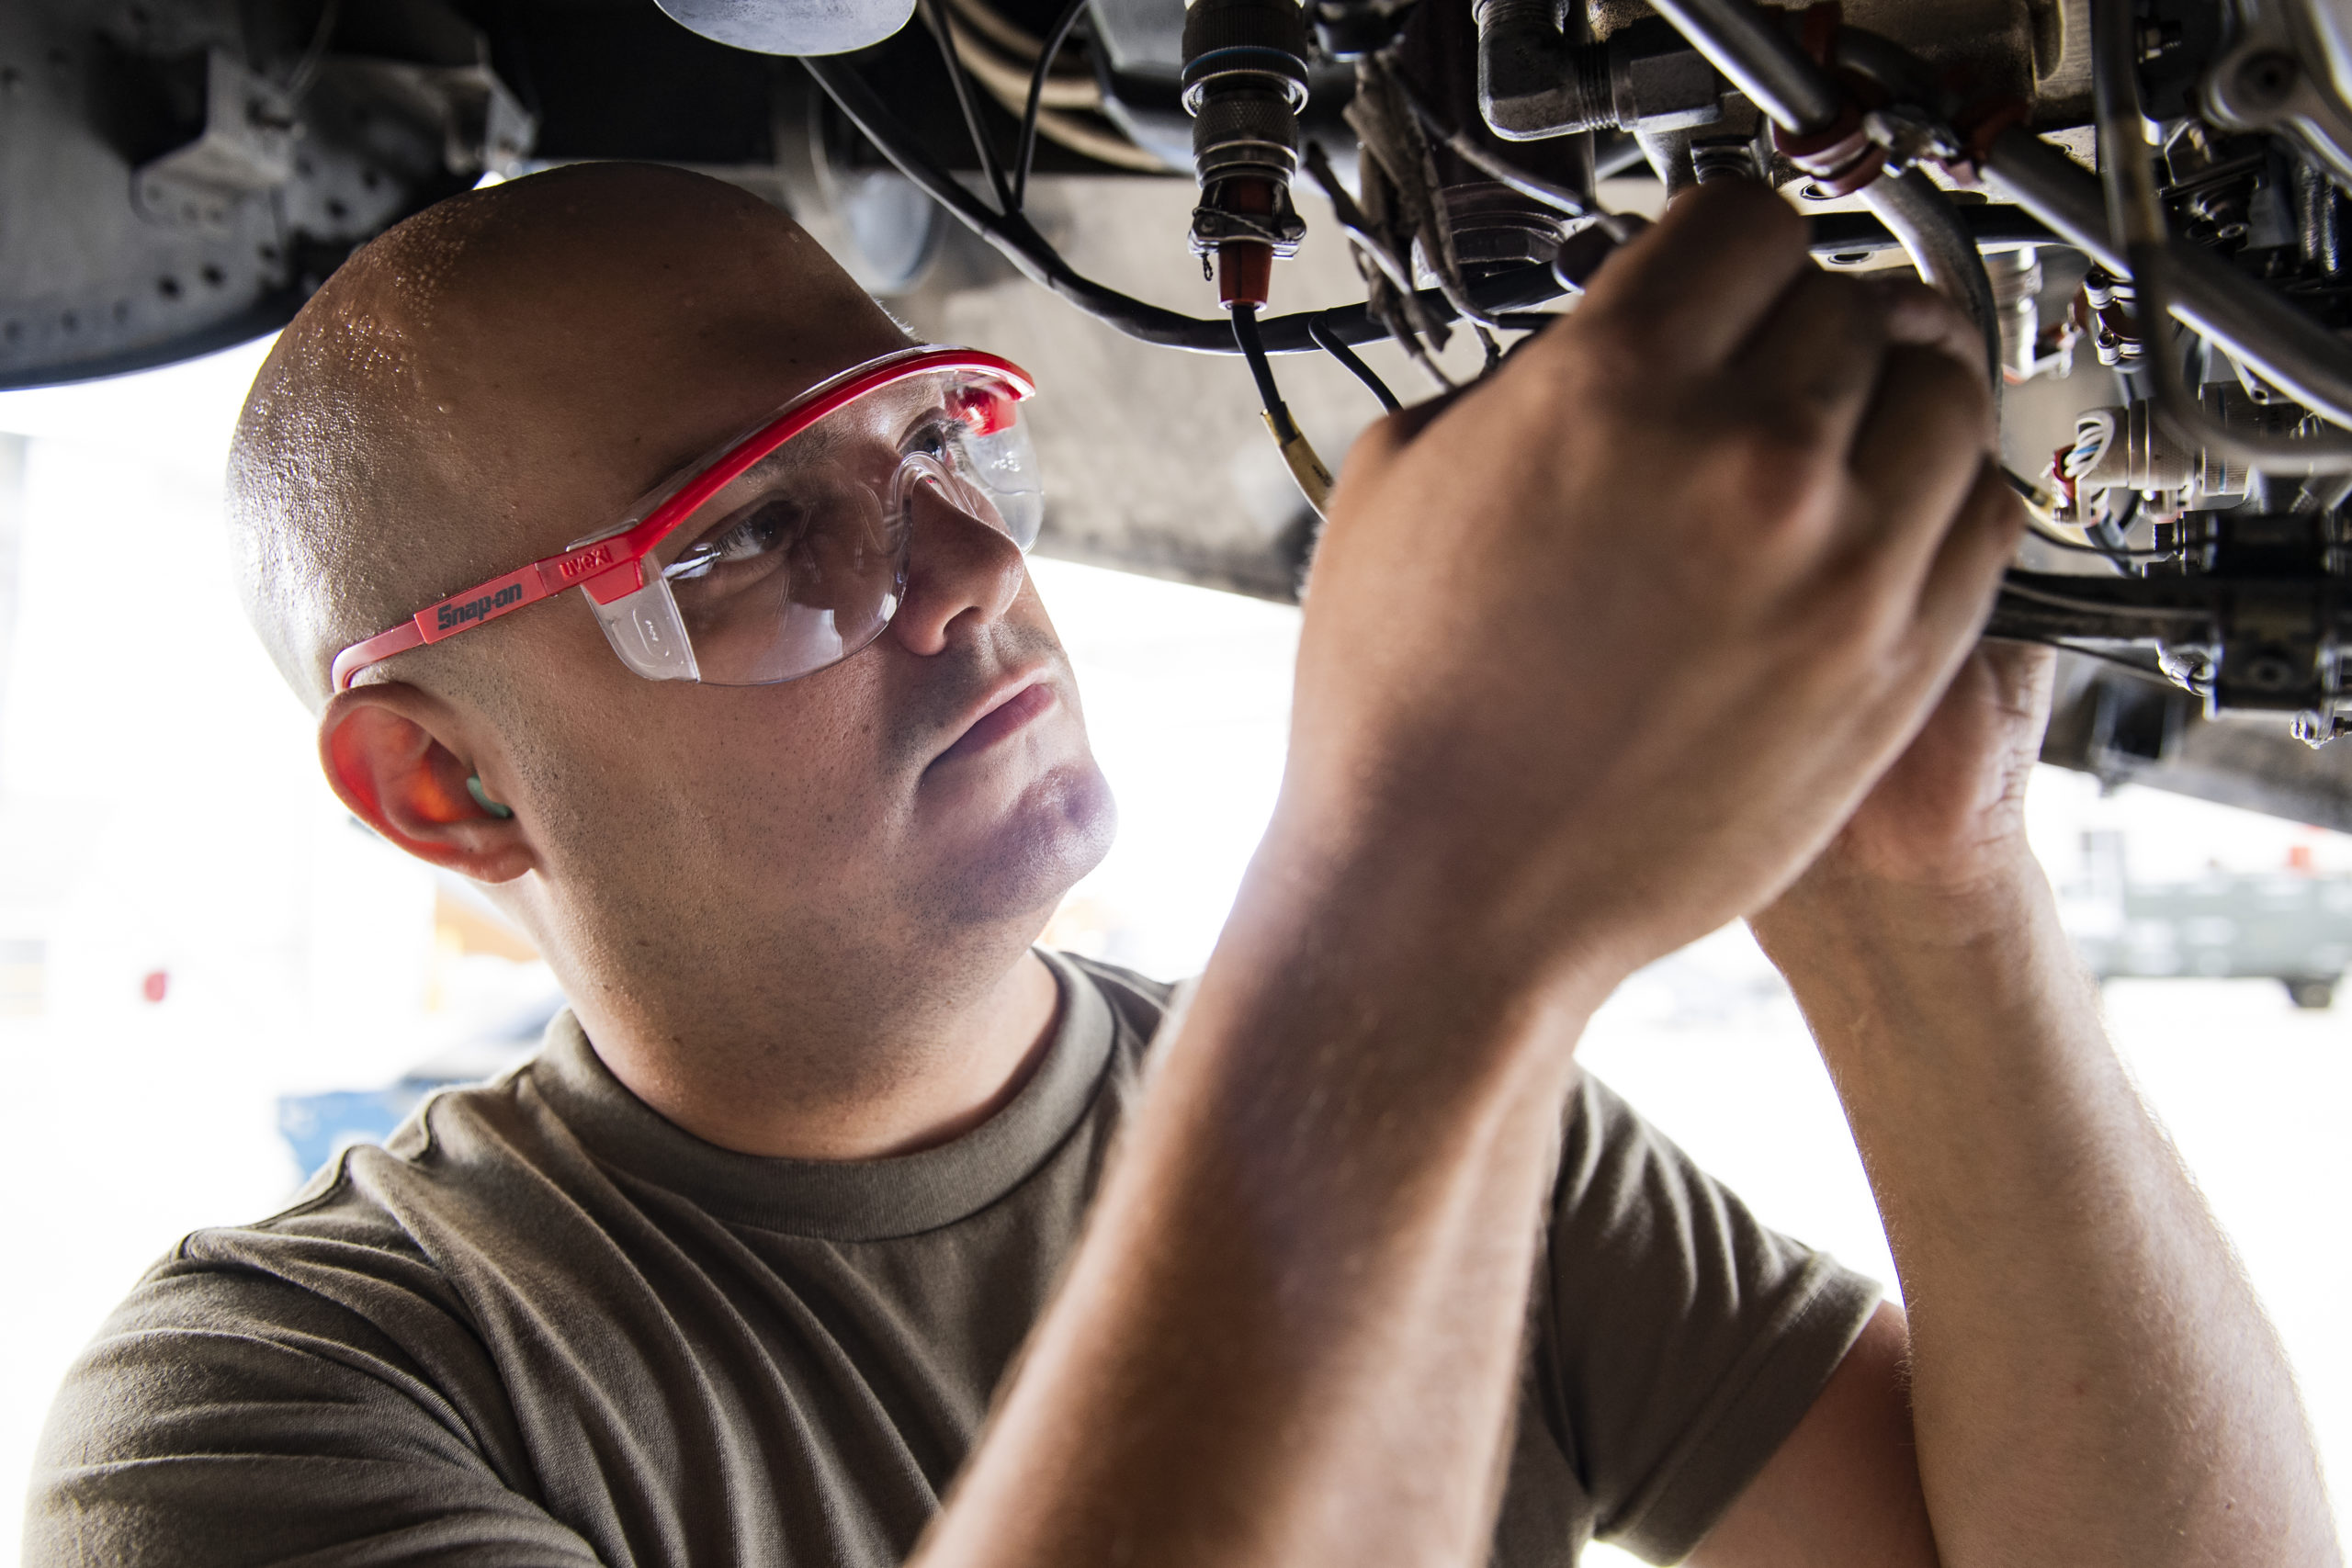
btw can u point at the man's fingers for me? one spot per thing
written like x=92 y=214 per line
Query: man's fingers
x=1695 y=284
x=1920 y=448
x=1916 y=314
x=1817 y=355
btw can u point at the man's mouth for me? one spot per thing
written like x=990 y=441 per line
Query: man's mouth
x=1007 y=710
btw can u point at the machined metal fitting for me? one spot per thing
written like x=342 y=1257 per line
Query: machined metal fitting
x=1244 y=82
x=2016 y=293
x=2136 y=451
x=1723 y=158
x=1495 y=227
x=1248 y=131
x=1535 y=84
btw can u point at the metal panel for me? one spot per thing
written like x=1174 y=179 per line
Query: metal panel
x=161 y=196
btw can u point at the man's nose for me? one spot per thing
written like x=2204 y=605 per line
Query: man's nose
x=957 y=567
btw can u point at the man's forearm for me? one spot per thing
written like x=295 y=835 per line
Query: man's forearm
x=2093 y=1382
x=1292 y=1332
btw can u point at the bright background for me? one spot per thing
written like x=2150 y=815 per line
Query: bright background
x=161 y=816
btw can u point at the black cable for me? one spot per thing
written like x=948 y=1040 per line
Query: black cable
x=2107 y=536
x=2033 y=596
x=1026 y=151
x=935 y=15
x=1244 y=332
x=2025 y=487
x=1518 y=289
x=1340 y=351
x=2114 y=552
x=2153 y=672
x=2108 y=533
x=305 y=69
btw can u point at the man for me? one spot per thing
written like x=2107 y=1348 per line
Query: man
x=1626 y=641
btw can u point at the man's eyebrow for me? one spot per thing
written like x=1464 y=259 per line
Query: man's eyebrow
x=823 y=439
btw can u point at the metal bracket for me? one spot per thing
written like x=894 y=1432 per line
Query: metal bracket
x=245 y=148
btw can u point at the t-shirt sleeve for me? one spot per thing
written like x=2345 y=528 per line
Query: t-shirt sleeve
x=1679 y=1340
x=229 y=1417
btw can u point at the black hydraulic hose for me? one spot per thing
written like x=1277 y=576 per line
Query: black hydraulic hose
x=1298 y=454
x=1338 y=349
x=2039 y=606
x=1518 y=289
x=935 y=17
x=1253 y=349
x=1027 y=151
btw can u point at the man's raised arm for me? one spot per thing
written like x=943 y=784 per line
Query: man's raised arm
x=2091 y=1379
x=1594 y=659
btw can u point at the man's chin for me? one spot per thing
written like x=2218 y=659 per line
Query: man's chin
x=1013 y=859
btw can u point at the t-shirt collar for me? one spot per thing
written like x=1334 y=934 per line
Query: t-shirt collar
x=840 y=1199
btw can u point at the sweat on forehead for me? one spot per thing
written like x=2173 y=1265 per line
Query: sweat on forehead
x=505 y=372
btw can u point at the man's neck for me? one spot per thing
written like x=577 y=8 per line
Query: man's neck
x=831 y=1089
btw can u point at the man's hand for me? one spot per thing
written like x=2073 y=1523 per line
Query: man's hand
x=1595 y=657
x=1613 y=642
x=1947 y=820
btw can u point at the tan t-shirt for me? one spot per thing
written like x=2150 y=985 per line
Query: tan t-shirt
x=545 y=1327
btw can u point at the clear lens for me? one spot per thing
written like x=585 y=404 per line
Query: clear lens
x=800 y=561
x=992 y=450
x=796 y=566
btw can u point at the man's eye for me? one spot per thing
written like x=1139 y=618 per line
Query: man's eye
x=928 y=439
x=765 y=530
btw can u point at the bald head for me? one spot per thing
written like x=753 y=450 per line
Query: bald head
x=505 y=373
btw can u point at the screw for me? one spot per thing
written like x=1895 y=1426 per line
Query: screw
x=1722 y=160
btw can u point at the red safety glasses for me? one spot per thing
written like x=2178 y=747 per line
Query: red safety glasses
x=785 y=550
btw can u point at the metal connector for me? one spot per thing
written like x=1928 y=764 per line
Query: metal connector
x=1533 y=84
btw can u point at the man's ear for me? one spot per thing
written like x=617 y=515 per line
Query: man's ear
x=393 y=755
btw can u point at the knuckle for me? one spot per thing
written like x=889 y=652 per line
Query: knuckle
x=1778 y=463
x=1605 y=349
x=1916 y=309
x=1834 y=293
x=1867 y=613
x=1953 y=387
